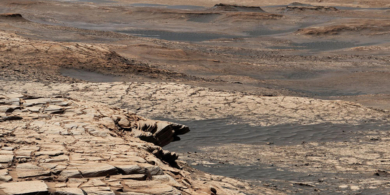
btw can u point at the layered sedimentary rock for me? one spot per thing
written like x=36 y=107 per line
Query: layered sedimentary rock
x=64 y=146
x=46 y=58
x=179 y=101
x=366 y=26
x=307 y=7
x=236 y=8
x=159 y=132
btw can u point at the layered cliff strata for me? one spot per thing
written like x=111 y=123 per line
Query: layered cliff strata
x=35 y=60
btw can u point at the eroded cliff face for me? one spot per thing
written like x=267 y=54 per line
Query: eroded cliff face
x=65 y=146
x=42 y=61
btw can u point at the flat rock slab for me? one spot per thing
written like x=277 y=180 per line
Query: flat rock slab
x=71 y=173
x=27 y=187
x=132 y=176
x=6 y=158
x=69 y=191
x=97 y=169
x=49 y=153
x=131 y=169
x=99 y=191
x=151 y=187
x=30 y=170
x=33 y=173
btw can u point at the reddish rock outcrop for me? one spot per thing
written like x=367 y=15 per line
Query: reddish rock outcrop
x=64 y=146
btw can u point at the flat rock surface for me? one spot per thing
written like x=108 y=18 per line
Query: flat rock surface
x=69 y=191
x=179 y=101
x=27 y=187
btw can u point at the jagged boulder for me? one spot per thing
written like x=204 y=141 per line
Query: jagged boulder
x=160 y=133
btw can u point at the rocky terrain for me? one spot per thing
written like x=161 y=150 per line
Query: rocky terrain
x=24 y=59
x=281 y=97
x=185 y=102
x=178 y=101
x=65 y=146
x=325 y=168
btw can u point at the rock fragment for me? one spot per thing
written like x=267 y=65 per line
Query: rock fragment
x=29 y=170
x=158 y=132
x=71 y=173
x=97 y=169
x=24 y=188
x=6 y=158
x=151 y=187
x=130 y=169
x=69 y=191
